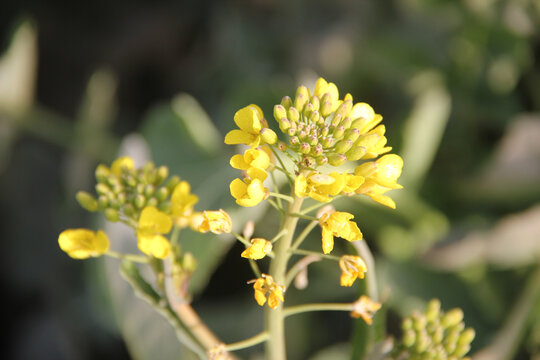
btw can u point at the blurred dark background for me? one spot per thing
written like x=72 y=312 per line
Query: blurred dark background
x=458 y=83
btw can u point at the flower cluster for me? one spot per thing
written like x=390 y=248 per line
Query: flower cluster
x=435 y=334
x=144 y=200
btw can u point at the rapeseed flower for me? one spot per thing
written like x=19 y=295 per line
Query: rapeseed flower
x=217 y=222
x=320 y=187
x=124 y=162
x=251 y=191
x=365 y=308
x=381 y=175
x=152 y=224
x=252 y=158
x=182 y=202
x=338 y=224
x=352 y=267
x=252 y=133
x=265 y=285
x=83 y=243
x=259 y=248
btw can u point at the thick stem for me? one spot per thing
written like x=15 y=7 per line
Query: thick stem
x=275 y=346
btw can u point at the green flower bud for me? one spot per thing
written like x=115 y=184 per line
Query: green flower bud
x=102 y=189
x=173 y=181
x=87 y=201
x=149 y=190
x=438 y=335
x=325 y=131
x=419 y=322
x=308 y=161
x=433 y=310
x=466 y=337
x=292 y=131
x=314 y=117
x=359 y=123
x=406 y=324
x=356 y=153
x=461 y=350
x=294 y=141
x=326 y=108
x=112 y=215
x=286 y=102
x=140 y=201
x=327 y=141
x=346 y=122
x=422 y=342
x=315 y=102
x=294 y=115
x=279 y=112
x=409 y=338
x=338 y=132
x=165 y=206
x=343 y=146
x=336 y=159
x=344 y=109
x=140 y=188
x=322 y=160
x=162 y=194
x=318 y=149
x=102 y=172
x=162 y=174
x=302 y=135
x=268 y=136
x=130 y=181
x=300 y=101
x=129 y=210
x=302 y=91
x=336 y=120
x=305 y=148
x=103 y=202
x=122 y=198
x=152 y=202
x=312 y=140
x=452 y=318
x=284 y=124
x=352 y=134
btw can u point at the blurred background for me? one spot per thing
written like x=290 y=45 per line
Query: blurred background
x=458 y=84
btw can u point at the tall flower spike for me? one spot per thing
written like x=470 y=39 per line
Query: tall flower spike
x=83 y=243
x=152 y=224
x=251 y=133
x=338 y=224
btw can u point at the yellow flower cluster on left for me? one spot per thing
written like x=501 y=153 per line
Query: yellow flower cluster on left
x=144 y=200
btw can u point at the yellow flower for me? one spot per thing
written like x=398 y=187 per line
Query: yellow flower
x=338 y=224
x=217 y=222
x=365 y=308
x=250 y=121
x=258 y=249
x=364 y=117
x=352 y=267
x=251 y=158
x=153 y=223
x=124 y=162
x=352 y=182
x=374 y=142
x=182 y=201
x=381 y=176
x=83 y=243
x=251 y=191
x=265 y=285
x=319 y=186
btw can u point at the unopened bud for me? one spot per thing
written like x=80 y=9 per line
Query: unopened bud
x=315 y=102
x=162 y=193
x=308 y=162
x=352 y=134
x=112 y=215
x=461 y=351
x=327 y=141
x=189 y=263
x=422 y=342
x=122 y=198
x=284 y=124
x=318 y=150
x=359 y=123
x=322 y=160
x=102 y=172
x=152 y=202
x=356 y=153
x=129 y=210
x=344 y=109
x=336 y=120
x=279 y=112
x=87 y=201
x=325 y=131
x=312 y=140
x=346 y=122
x=452 y=318
x=286 y=102
x=433 y=310
x=173 y=181
x=103 y=202
x=409 y=338
x=314 y=117
x=162 y=174
x=336 y=159
x=268 y=136
x=326 y=108
x=300 y=101
x=406 y=324
x=149 y=190
x=102 y=189
x=140 y=201
x=294 y=141
x=308 y=109
x=140 y=188
x=466 y=337
x=294 y=115
x=305 y=148
x=339 y=131
x=343 y=146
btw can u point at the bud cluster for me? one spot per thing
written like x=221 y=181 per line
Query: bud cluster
x=123 y=190
x=323 y=129
x=435 y=335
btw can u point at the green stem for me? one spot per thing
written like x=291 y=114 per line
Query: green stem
x=278 y=236
x=255 y=268
x=275 y=346
x=293 y=310
x=304 y=234
x=254 y=340
x=276 y=188
x=131 y=257
x=241 y=239
x=284 y=169
x=308 y=252
x=302 y=216
x=313 y=207
x=281 y=196
x=276 y=206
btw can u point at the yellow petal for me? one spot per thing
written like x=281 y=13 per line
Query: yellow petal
x=258 y=249
x=383 y=199
x=248 y=119
x=83 y=243
x=260 y=297
x=327 y=241
x=216 y=221
x=236 y=136
x=124 y=162
x=362 y=110
x=238 y=162
x=256 y=158
x=256 y=173
x=154 y=245
x=238 y=189
x=300 y=186
x=154 y=221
